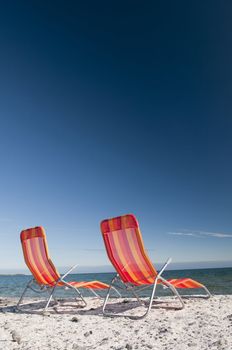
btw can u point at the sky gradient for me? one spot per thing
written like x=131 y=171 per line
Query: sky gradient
x=114 y=108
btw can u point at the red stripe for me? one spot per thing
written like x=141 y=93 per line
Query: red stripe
x=87 y=285
x=37 y=262
x=123 y=271
x=129 y=221
x=30 y=263
x=142 y=262
x=114 y=258
x=55 y=277
x=127 y=251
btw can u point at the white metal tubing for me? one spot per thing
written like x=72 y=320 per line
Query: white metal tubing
x=68 y=272
x=158 y=277
x=94 y=293
x=207 y=291
x=77 y=291
x=108 y=293
x=164 y=267
x=207 y=296
x=137 y=297
x=173 y=290
x=126 y=315
x=115 y=289
x=80 y=296
x=28 y=286
x=24 y=292
x=49 y=298
x=151 y=300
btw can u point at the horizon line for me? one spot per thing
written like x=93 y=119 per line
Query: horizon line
x=194 y=265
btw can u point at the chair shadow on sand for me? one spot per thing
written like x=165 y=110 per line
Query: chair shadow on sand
x=70 y=307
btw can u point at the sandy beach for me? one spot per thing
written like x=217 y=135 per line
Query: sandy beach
x=201 y=325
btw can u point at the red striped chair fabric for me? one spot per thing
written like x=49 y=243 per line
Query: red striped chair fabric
x=37 y=258
x=125 y=249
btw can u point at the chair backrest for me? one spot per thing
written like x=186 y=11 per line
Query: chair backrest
x=36 y=256
x=125 y=249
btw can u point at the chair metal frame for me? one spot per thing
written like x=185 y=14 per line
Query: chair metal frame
x=45 y=277
x=129 y=287
x=51 y=290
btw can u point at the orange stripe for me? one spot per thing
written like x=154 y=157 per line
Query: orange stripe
x=35 y=250
x=184 y=283
x=29 y=250
x=144 y=269
x=129 y=253
x=34 y=262
x=122 y=257
x=143 y=252
x=28 y=262
x=108 y=230
x=126 y=250
x=46 y=268
x=117 y=262
x=36 y=255
x=129 y=221
x=87 y=285
x=113 y=256
x=50 y=270
x=37 y=274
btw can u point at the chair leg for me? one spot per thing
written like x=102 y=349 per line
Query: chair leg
x=208 y=295
x=28 y=286
x=137 y=297
x=107 y=297
x=94 y=293
x=49 y=299
x=100 y=297
x=175 y=292
x=149 y=304
x=77 y=291
x=115 y=289
x=23 y=294
x=151 y=300
x=109 y=314
x=52 y=296
x=80 y=296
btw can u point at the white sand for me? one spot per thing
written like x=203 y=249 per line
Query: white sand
x=201 y=325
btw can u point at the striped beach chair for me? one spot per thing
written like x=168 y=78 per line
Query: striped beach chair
x=135 y=271
x=46 y=278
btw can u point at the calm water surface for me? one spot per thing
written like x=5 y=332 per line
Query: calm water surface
x=218 y=281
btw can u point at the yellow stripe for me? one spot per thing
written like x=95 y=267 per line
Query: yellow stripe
x=139 y=261
x=42 y=262
x=122 y=258
x=143 y=251
x=111 y=225
x=31 y=260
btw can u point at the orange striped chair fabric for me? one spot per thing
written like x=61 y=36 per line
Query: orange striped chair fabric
x=37 y=258
x=125 y=249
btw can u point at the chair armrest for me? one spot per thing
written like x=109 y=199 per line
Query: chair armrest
x=68 y=272
x=164 y=267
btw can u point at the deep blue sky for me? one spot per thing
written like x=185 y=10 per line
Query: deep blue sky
x=112 y=108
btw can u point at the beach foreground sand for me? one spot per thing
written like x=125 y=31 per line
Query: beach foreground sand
x=201 y=325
